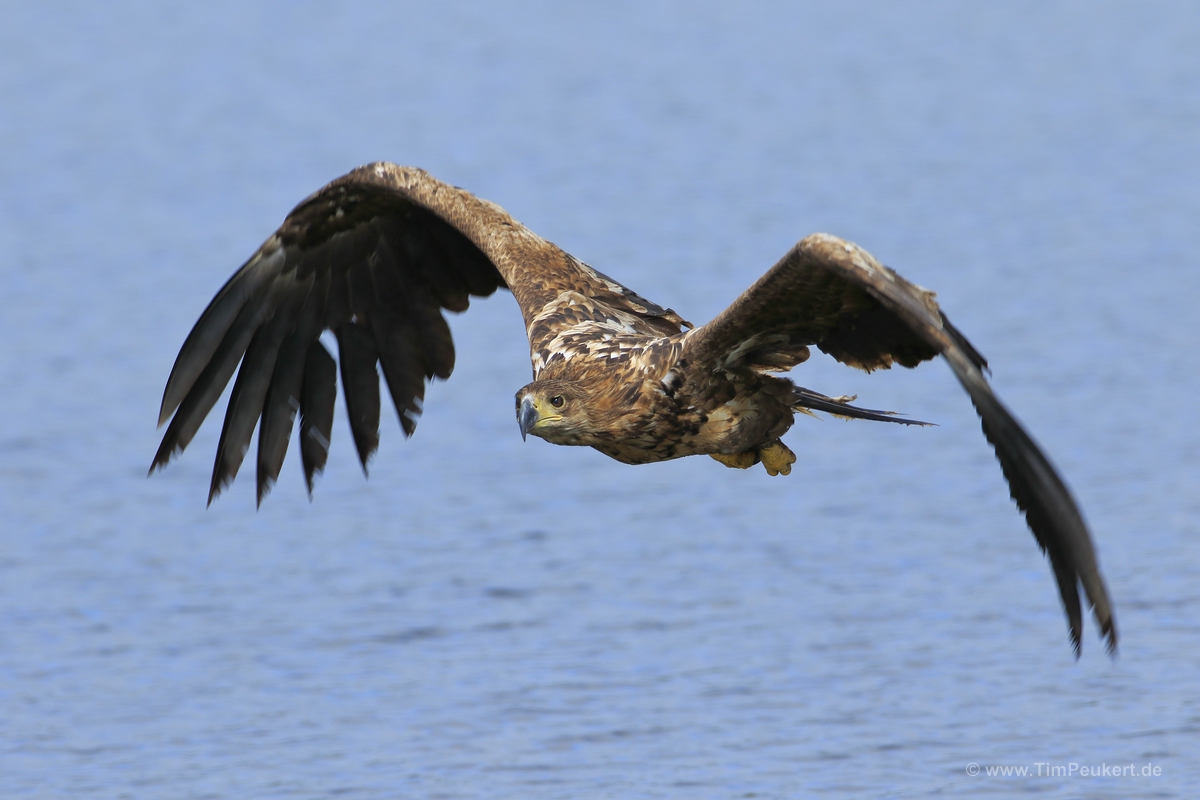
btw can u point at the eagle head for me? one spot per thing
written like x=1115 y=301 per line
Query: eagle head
x=555 y=410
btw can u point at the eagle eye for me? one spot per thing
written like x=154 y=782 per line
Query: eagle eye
x=557 y=401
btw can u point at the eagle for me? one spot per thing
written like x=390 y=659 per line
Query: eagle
x=377 y=255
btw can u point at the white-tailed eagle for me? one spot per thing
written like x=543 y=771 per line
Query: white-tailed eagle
x=378 y=254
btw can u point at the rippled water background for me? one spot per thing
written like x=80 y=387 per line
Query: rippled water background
x=487 y=618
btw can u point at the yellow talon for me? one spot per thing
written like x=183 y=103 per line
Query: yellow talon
x=744 y=460
x=777 y=458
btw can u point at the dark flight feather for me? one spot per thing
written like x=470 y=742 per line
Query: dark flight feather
x=360 y=379
x=1049 y=508
x=210 y=330
x=247 y=400
x=317 y=396
x=283 y=400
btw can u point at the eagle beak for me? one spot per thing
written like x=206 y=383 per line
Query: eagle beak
x=528 y=417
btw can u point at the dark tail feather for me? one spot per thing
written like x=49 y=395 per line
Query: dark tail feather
x=840 y=407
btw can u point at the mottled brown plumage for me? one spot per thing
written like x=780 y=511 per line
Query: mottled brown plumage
x=378 y=254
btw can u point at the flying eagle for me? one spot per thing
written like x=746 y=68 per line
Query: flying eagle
x=376 y=255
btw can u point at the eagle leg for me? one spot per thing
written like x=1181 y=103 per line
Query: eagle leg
x=744 y=460
x=777 y=458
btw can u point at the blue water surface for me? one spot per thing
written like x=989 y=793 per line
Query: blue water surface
x=490 y=618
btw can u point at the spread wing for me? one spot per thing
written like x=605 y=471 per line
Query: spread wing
x=834 y=295
x=375 y=257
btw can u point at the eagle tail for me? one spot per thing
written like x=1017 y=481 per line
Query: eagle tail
x=806 y=399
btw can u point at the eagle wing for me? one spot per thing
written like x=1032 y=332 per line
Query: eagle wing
x=833 y=294
x=375 y=256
